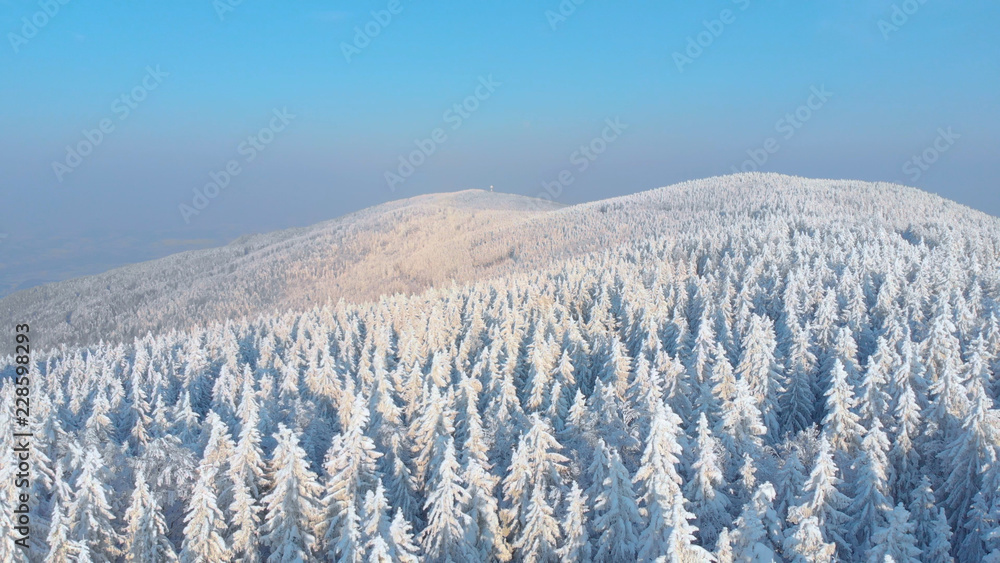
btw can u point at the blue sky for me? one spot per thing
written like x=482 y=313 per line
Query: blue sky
x=217 y=80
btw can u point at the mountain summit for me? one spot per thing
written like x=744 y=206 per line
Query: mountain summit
x=409 y=245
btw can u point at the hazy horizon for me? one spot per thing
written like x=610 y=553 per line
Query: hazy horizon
x=162 y=99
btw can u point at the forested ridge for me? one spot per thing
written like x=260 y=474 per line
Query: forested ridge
x=411 y=245
x=772 y=386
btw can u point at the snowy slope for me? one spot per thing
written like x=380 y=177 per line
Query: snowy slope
x=409 y=245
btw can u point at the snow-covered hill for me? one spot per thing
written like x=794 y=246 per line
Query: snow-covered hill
x=749 y=368
x=410 y=245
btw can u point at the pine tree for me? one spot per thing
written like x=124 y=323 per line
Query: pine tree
x=247 y=464
x=799 y=399
x=348 y=547
x=874 y=400
x=790 y=479
x=485 y=512
x=904 y=456
x=657 y=477
x=923 y=512
x=722 y=378
x=724 y=548
x=219 y=453
x=376 y=529
x=351 y=465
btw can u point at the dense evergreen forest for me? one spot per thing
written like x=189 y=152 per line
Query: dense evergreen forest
x=767 y=389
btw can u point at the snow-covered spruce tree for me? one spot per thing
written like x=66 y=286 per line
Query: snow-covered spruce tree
x=541 y=536
x=91 y=520
x=871 y=483
x=291 y=504
x=681 y=543
x=658 y=479
x=146 y=531
x=873 y=399
x=485 y=511
x=904 y=455
x=978 y=525
x=841 y=424
x=244 y=537
x=446 y=536
x=576 y=543
x=616 y=517
x=402 y=542
x=350 y=468
x=798 y=403
x=204 y=533
x=822 y=499
x=894 y=539
x=60 y=546
x=789 y=479
x=965 y=458
x=758 y=534
x=537 y=459
x=247 y=465
x=741 y=429
x=376 y=531
x=218 y=455
x=705 y=490
x=758 y=368
x=804 y=543
x=938 y=549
